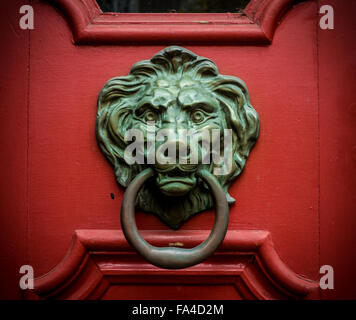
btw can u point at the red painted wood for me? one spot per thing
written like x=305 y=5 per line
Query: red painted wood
x=101 y=263
x=14 y=54
x=337 y=73
x=91 y=26
x=65 y=184
x=71 y=182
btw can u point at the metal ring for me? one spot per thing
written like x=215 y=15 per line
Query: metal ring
x=172 y=257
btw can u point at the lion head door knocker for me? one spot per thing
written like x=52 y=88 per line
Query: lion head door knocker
x=177 y=134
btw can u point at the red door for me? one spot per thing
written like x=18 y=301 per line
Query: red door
x=60 y=205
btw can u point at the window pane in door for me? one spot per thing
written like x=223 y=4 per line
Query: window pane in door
x=164 y=6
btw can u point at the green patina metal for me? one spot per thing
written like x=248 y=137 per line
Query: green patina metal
x=176 y=89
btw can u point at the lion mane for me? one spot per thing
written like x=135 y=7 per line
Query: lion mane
x=114 y=118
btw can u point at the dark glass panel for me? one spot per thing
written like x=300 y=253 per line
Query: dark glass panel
x=164 y=6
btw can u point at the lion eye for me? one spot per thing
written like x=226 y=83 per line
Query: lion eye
x=198 y=116
x=150 y=116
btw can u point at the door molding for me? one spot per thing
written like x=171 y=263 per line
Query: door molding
x=256 y=24
x=246 y=260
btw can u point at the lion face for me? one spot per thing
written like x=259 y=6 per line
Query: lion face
x=177 y=106
x=181 y=100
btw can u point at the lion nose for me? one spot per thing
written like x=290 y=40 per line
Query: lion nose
x=182 y=150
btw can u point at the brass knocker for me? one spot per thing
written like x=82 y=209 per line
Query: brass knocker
x=172 y=257
x=174 y=91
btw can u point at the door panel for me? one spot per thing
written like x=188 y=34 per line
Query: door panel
x=337 y=149
x=14 y=91
x=285 y=189
x=272 y=194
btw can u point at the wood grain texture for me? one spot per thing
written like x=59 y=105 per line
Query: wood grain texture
x=14 y=62
x=337 y=74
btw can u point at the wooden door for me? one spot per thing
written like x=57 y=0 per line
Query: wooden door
x=60 y=204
